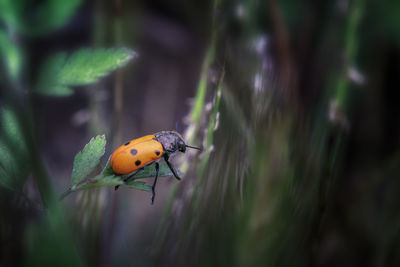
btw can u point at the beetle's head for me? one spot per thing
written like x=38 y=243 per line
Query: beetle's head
x=179 y=143
x=172 y=141
x=181 y=146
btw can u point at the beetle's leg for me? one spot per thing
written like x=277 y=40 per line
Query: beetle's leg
x=129 y=177
x=166 y=157
x=153 y=188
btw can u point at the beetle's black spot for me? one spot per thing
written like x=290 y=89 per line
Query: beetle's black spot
x=157 y=152
x=127 y=143
x=133 y=152
x=138 y=162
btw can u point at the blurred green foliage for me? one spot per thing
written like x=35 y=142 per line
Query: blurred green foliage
x=46 y=238
x=83 y=67
x=37 y=17
x=50 y=241
x=10 y=54
x=13 y=152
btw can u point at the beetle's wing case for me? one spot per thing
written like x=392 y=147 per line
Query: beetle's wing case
x=135 y=154
x=141 y=139
x=130 y=143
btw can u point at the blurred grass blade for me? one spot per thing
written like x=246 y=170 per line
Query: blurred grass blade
x=8 y=169
x=212 y=125
x=10 y=54
x=202 y=87
x=50 y=241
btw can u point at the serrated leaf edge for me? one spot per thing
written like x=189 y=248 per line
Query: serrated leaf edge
x=103 y=136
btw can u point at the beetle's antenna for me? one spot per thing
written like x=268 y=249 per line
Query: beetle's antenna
x=198 y=148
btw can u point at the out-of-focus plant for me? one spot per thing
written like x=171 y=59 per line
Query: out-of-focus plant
x=34 y=18
x=13 y=152
x=47 y=241
x=261 y=198
x=83 y=67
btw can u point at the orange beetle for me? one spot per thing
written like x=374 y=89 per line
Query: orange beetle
x=132 y=156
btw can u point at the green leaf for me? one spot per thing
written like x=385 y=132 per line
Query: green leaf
x=98 y=181
x=10 y=54
x=86 y=160
x=139 y=185
x=108 y=178
x=47 y=83
x=150 y=171
x=86 y=66
x=83 y=67
x=108 y=171
x=103 y=181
